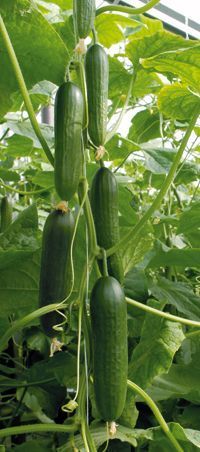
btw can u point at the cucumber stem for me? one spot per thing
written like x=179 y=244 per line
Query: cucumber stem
x=157 y=414
x=37 y=428
x=24 y=91
x=166 y=315
x=127 y=9
x=105 y=267
x=25 y=193
x=94 y=34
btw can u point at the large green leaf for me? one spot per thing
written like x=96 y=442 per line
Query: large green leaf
x=136 y=248
x=158 y=160
x=177 y=101
x=164 y=257
x=110 y=27
x=19 y=263
x=160 y=339
x=41 y=53
x=178 y=295
x=149 y=46
x=145 y=126
x=184 y=63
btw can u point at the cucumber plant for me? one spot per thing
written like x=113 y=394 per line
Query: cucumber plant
x=81 y=279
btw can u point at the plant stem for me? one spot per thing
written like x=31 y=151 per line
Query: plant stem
x=31 y=192
x=157 y=201
x=38 y=428
x=19 y=324
x=159 y=313
x=156 y=413
x=112 y=132
x=127 y=9
x=24 y=91
x=94 y=249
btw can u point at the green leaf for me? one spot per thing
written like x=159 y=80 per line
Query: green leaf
x=188 y=439
x=44 y=179
x=145 y=126
x=62 y=367
x=158 y=160
x=41 y=445
x=25 y=129
x=120 y=148
x=146 y=83
x=19 y=282
x=189 y=219
x=160 y=339
x=41 y=52
x=109 y=27
x=135 y=249
x=182 y=380
x=119 y=78
x=19 y=263
x=100 y=436
x=184 y=63
x=156 y=43
x=178 y=295
x=164 y=257
x=136 y=286
x=9 y=176
x=177 y=101
x=19 y=146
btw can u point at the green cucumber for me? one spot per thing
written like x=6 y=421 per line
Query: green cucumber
x=104 y=204
x=97 y=70
x=84 y=15
x=55 y=273
x=6 y=213
x=110 y=349
x=69 y=107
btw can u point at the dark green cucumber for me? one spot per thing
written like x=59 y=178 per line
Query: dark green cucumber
x=84 y=15
x=55 y=273
x=96 y=66
x=104 y=204
x=110 y=350
x=6 y=213
x=68 y=134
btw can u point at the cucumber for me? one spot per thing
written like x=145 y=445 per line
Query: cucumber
x=84 y=15
x=6 y=213
x=110 y=349
x=55 y=273
x=96 y=67
x=69 y=107
x=104 y=204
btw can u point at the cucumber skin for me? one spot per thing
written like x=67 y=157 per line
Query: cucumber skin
x=104 y=204
x=68 y=134
x=55 y=273
x=84 y=13
x=6 y=213
x=97 y=72
x=110 y=349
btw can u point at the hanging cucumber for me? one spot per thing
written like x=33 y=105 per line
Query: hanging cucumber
x=84 y=15
x=68 y=135
x=104 y=204
x=6 y=213
x=110 y=350
x=56 y=272
x=96 y=66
